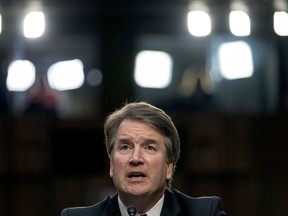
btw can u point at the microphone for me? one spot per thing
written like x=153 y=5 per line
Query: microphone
x=131 y=210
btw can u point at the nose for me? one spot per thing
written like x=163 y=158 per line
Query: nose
x=136 y=156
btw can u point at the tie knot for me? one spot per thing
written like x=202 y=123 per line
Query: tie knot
x=143 y=215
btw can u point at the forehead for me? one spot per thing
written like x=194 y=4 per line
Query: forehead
x=135 y=126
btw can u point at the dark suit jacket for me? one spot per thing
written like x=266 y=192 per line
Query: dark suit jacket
x=175 y=203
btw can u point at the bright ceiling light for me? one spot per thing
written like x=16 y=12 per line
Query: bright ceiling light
x=198 y=19
x=239 y=20
x=280 y=17
x=66 y=75
x=239 y=23
x=34 y=24
x=235 y=60
x=153 y=69
x=199 y=23
x=280 y=20
x=21 y=75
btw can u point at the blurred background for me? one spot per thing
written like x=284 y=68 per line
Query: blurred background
x=222 y=77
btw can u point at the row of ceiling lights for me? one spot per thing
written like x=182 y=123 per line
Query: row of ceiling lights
x=198 y=19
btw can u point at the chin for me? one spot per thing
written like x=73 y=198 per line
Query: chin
x=138 y=192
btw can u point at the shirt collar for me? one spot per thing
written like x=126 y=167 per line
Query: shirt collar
x=155 y=210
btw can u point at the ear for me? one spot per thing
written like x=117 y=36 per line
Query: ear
x=169 y=173
x=111 y=169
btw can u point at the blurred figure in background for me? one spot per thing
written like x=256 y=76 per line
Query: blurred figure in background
x=41 y=99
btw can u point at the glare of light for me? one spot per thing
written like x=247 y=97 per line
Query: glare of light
x=21 y=75
x=199 y=23
x=153 y=69
x=0 y=23
x=280 y=20
x=66 y=75
x=239 y=23
x=34 y=24
x=235 y=59
x=94 y=77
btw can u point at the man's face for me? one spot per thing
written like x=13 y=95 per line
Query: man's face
x=138 y=164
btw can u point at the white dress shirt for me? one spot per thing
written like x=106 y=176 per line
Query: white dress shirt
x=154 y=211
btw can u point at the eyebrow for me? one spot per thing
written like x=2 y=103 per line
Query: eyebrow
x=145 y=140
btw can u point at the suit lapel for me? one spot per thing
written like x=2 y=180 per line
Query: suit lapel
x=170 y=206
x=112 y=208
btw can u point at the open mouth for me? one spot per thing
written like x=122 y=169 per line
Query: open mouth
x=136 y=175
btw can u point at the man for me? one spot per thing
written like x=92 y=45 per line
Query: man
x=143 y=146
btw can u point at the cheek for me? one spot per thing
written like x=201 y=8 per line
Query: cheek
x=116 y=166
x=165 y=168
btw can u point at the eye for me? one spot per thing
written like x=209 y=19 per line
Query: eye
x=151 y=148
x=124 y=147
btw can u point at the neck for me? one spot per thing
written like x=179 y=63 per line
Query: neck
x=143 y=204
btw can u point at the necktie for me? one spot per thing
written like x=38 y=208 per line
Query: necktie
x=144 y=215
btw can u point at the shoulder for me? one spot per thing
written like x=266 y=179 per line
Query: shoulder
x=202 y=199
x=96 y=209
x=205 y=205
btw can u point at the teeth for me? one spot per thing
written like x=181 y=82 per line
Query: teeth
x=136 y=175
